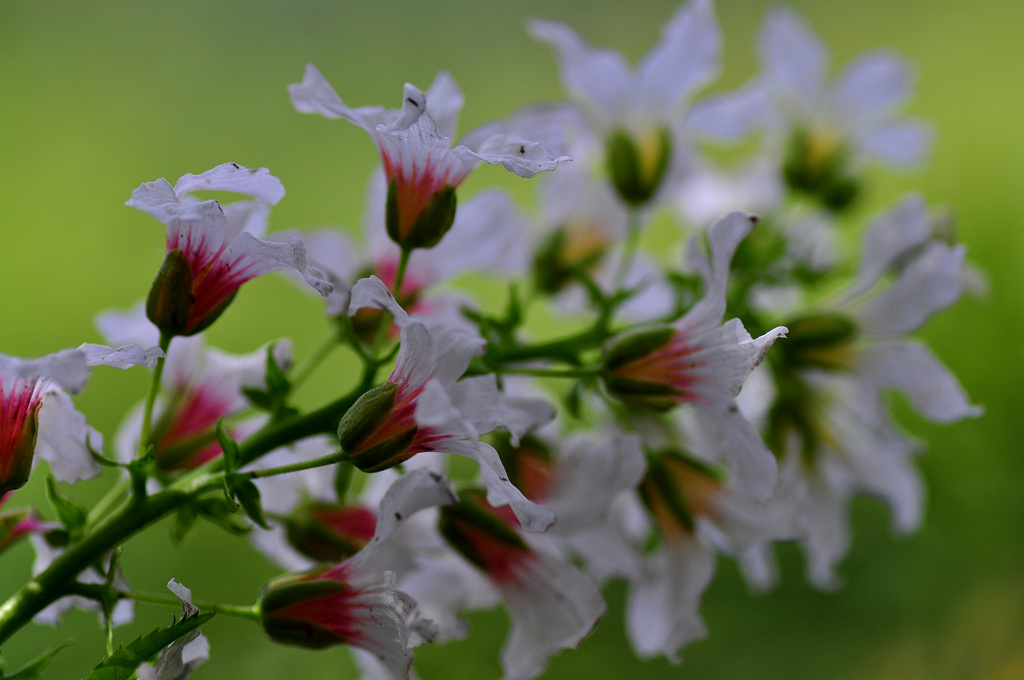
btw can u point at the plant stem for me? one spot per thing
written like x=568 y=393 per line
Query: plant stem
x=237 y=611
x=315 y=359
x=116 y=494
x=154 y=389
x=629 y=248
x=554 y=372
x=322 y=461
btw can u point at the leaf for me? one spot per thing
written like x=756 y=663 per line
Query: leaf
x=278 y=384
x=68 y=511
x=229 y=446
x=33 y=669
x=217 y=511
x=243 y=489
x=122 y=663
x=184 y=520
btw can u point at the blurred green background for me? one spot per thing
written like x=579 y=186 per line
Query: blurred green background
x=96 y=98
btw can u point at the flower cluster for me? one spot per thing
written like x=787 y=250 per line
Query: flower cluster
x=686 y=407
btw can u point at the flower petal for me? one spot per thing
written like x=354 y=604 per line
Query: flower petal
x=256 y=182
x=871 y=86
x=793 y=55
x=686 y=58
x=121 y=357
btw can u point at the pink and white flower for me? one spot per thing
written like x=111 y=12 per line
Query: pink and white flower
x=37 y=416
x=424 y=406
x=212 y=251
x=422 y=168
x=702 y=362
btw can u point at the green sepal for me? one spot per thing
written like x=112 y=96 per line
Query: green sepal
x=658 y=481
x=431 y=224
x=342 y=480
x=635 y=344
x=366 y=415
x=820 y=341
x=169 y=304
x=138 y=471
x=184 y=521
x=636 y=174
x=122 y=663
x=34 y=668
x=70 y=513
x=272 y=399
x=248 y=496
x=313 y=539
x=228 y=446
x=467 y=513
x=290 y=591
x=222 y=512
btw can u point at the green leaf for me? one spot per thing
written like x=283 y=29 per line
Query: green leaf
x=229 y=446
x=277 y=382
x=122 y=663
x=184 y=520
x=33 y=669
x=245 y=491
x=218 y=511
x=68 y=511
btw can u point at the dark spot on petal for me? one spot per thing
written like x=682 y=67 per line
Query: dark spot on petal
x=398 y=515
x=754 y=219
x=733 y=408
x=503 y=479
x=235 y=166
x=522 y=149
x=412 y=101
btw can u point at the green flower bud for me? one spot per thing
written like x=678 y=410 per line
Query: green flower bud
x=373 y=434
x=677 y=490
x=169 y=304
x=473 y=529
x=329 y=532
x=625 y=368
x=820 y=340
x=301 y=610
x=817 y=163
x=414 y=225
x=566 y=250
x=638 y=166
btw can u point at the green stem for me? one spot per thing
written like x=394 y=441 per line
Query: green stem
x=396 y=291
x=315 y=359
x=58 y=579
x=322 y=461
x=629 y=249
x=154 y=389
x=554 y=372
x=117 y=493
x=237 y=611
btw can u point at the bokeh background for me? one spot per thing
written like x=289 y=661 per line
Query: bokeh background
x=96 y=98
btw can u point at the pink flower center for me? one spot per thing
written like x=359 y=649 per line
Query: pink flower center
x=355 y=522
x=671 y=365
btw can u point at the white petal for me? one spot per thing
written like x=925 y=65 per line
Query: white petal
x=904 y=142
x=500 y=491
x=121 y=357
x=371 y=292
x=828 y=534
x=732 y=115
x=724 y=236
x=889 y=238
x=686 y=58
x=930 y=283
x=599 y=76
x=126 y=327
x=752 y=467
x=663 y=612
x=444 y=102
x=410 y=493
x=793 y=55
x=553 y=606
x=159 y=200
x=256 y=182
x=516 y=154
x=871 y=86
x=62 y=437
x=67 y=368
x=315 y=95
x=255 y=257
x=912 y=368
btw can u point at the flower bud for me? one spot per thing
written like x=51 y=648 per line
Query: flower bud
x=329 y=532
x=415 y=221
x=19 y=424
x=15 y=524
x=476 y=531
x=374 y=434
x=638 y=166
x=568 y=249
x=816 y=163
x=678 y=490
x=307 y=611
x=530 y=465
x=820 y=341
x=635 y=367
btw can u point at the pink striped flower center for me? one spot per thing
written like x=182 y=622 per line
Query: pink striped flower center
x=20 y=400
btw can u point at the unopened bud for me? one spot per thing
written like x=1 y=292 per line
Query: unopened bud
x=416 y=223
x=820 y=340
x=304 y=611
x=371 y=433
x=530 y=465
x=678 y=490
x=329 y=532
x=473 y=529
x=568 y=249
x=17 y=446
x=816 y=163
x=638 y=166
x=628 y=362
